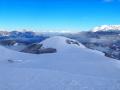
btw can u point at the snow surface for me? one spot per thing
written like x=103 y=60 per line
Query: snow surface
x=78 y=69
x=59 y=43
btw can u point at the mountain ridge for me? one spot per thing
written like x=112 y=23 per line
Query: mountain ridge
x=106 y=28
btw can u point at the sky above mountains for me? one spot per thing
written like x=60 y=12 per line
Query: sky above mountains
x=60 y=15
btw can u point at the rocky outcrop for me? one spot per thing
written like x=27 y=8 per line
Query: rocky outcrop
x=7 y=42
x=72 y=42
x=38 y=49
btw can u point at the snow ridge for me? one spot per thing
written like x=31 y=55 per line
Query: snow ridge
x=106 y=28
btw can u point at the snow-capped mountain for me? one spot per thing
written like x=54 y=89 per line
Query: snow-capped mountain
x=70 y=69
x=61 y=43
x=53 y=45
x=106 y=28
x=4 y=33
x=101 y=39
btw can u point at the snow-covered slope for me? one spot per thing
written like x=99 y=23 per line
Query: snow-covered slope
x=106 y=28
x=77 y=69
x=53 y=45
x=61 y=43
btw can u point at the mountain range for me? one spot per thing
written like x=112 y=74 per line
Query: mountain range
x=105 y=38
x=106 y=28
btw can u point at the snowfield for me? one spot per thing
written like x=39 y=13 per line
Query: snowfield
x=73 y=67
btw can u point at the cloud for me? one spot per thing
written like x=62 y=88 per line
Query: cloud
x=108 y=1
x=111 y=1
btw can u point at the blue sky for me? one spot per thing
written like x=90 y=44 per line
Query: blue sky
x=58 y=14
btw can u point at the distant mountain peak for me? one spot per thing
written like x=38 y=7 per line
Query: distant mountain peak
x=54 y=44
x=106 y=28
x=60 y=42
